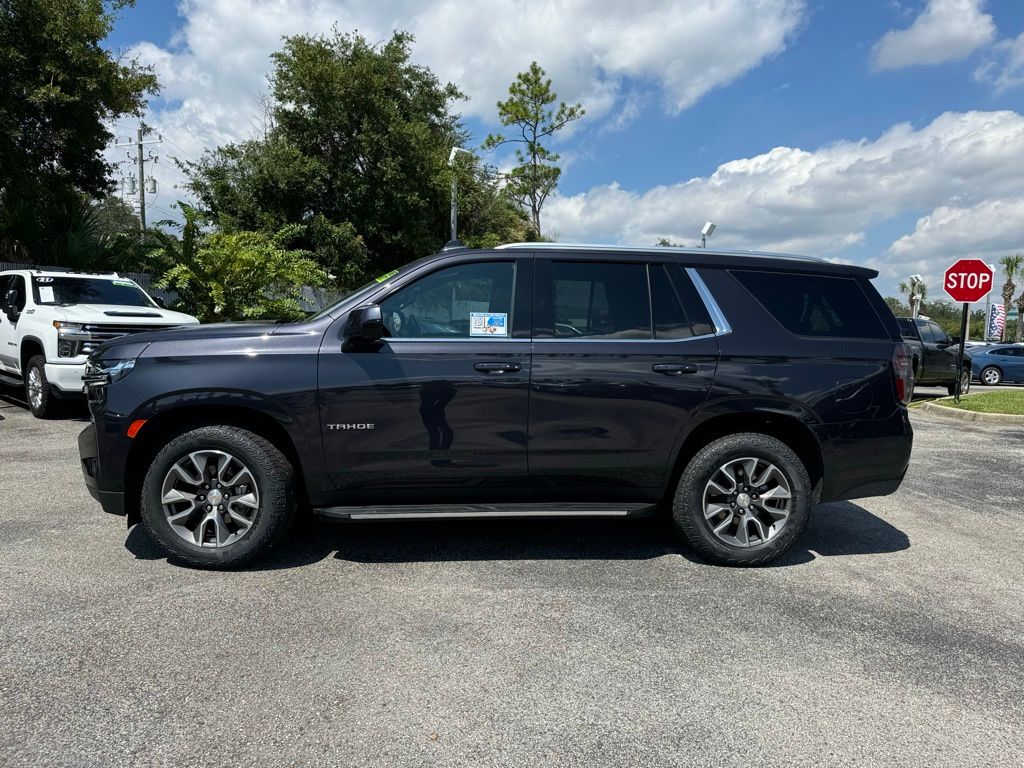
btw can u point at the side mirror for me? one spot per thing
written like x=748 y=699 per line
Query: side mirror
x=11 y=305
x=954 y=340
x=160 y=302
x=364 y=324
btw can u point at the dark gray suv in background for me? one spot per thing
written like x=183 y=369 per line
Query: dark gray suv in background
x=729 y=390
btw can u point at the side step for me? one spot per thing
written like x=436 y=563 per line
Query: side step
x=6 y=378
x=449 y=511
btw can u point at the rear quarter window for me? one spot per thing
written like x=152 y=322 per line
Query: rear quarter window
x=815 y=305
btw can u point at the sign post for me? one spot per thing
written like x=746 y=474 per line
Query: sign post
x=966 y=281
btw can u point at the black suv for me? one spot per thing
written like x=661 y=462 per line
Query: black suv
x=731 y=390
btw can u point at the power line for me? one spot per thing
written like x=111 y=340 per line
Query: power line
x=141 y=156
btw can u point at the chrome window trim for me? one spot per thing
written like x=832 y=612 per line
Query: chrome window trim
x=722 y=326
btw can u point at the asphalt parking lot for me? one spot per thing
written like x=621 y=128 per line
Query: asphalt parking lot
x=892 y=635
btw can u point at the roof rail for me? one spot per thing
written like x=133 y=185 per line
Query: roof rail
x=650 y=249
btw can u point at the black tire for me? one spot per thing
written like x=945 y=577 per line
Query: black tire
x=992 y=372
x=965 y=383
x=688 y=502
x=274 y=478
x=44 y=406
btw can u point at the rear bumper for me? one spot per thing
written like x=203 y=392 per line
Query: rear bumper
x=88 y=451
x=867 y=458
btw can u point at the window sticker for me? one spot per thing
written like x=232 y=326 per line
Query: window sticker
x=488 y=324
x=387 y=276
x=127 y=283
x=44 y=279
x=45 y=294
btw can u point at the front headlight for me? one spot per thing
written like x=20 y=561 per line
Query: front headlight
x=103 y=372
x=71 y=339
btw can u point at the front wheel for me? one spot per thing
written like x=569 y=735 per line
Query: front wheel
x=41 y=400
x=991 y=376
x=218 y=497
x=965 y=383
x=743 y=499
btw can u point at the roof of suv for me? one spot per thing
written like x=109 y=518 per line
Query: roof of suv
x=63 y=273
x=704 y=257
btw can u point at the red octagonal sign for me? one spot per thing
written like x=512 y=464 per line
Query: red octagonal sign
x=968 y=280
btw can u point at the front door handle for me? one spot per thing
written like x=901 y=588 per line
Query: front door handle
x=674 y=369
x=497 y=367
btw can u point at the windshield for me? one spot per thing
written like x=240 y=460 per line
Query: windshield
x=65 y=291
x=368 y=288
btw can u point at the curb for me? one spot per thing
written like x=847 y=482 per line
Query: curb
x=959 y=414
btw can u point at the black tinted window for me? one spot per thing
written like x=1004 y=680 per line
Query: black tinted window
x=18 y=284
x=940 y=335
x=815 y=305
x=906 y=328
x=670 y=320
x=464 y=301
x=601 y=300
x=1008 y=351
x=927 y=334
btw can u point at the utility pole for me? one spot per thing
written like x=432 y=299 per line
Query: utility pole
x=141 y=157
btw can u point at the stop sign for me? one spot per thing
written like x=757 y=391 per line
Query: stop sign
x=968 y=280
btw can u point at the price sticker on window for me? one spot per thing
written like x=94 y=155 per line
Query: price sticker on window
x=488 y=324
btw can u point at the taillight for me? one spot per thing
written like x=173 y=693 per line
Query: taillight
x=903 y=371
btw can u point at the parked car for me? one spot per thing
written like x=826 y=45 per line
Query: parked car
x=935 y=355
x=996 y=364
x=731 y=391
x=51 y=321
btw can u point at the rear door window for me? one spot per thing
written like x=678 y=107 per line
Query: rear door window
x=927 y=333
x=678 y=310
x=600 y=300
x=815 y=305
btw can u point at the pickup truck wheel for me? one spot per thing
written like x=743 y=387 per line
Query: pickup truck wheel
x=991 y=376
x=37 y=389
x=743 y=500
x=218 y=497
x=965 y=384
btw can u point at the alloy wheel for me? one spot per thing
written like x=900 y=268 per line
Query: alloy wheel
x=210 y=498
x=747 y=502
x=35 y=388
x=990 y=376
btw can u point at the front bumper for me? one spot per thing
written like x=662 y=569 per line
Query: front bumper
x=88 y=451
x=67 y=377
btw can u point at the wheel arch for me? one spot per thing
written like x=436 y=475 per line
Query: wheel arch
x=30 y=347
x=789 y=427
x=171 y=422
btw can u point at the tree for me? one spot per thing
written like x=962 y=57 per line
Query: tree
x=528 y=108
x=355 y=151
x=59 y=91
x=1011 y=268
x=666 y=242
x=916 y=292
x=241 y=275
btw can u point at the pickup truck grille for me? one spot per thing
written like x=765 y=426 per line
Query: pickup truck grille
x=106 y=332
x=83 y=342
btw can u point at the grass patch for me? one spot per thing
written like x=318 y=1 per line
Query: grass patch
x=1010 y=401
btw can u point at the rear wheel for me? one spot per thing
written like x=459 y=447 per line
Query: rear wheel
x=743 y=500
x=218 y=497
x=991 y=376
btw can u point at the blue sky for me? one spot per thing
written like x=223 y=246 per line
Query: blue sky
x=787 y=113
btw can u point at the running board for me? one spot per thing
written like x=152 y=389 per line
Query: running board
x=449 y=511
x=7 y=378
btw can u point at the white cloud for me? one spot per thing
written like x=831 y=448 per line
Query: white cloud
x=1005 y=68
x=946 y=30
x=824 y=201
x=216 y=65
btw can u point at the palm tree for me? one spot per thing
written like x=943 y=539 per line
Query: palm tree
x=916 y=291
x=1011 y=268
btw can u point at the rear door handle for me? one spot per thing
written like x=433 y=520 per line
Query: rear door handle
x=497 y=367
x=674 y=369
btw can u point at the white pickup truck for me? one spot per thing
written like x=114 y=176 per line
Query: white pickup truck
x=51 y=321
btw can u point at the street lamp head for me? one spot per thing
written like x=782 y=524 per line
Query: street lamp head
x=454 y=152
x=708 y=229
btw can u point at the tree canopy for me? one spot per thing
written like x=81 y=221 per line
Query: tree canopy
x=355 y=153
x=59 y=90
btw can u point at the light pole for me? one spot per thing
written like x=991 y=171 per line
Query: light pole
x=916 y=283
x=454 y=242
x=705 y=232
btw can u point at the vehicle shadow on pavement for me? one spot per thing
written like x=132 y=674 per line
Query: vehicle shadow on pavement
x=70 y=410
x=837 y=529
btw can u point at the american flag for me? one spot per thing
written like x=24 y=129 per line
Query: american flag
x=996 y=321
